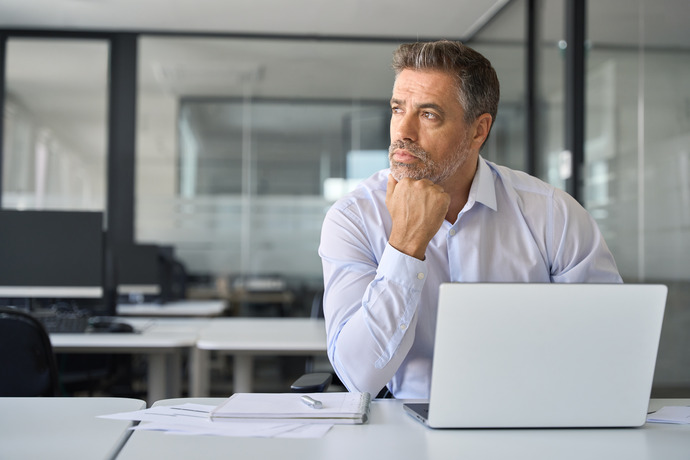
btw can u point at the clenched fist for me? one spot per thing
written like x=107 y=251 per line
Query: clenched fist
x=417 y=208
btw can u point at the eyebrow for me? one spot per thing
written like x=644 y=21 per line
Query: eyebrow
x=426 y=105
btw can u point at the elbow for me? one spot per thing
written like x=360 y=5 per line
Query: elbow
x=363 y=378
x=362 y=371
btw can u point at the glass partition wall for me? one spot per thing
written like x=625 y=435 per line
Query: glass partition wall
x=637 y=163
x=636 y=170
x=54 y=143
x=243 y=144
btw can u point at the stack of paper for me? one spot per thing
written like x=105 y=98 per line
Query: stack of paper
x=270 y=414
x=340 y=407
x=671 y=414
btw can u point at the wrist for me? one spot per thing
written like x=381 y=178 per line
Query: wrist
x=409 y=247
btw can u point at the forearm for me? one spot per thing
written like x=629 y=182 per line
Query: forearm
x=358 y=360
x=371 y=317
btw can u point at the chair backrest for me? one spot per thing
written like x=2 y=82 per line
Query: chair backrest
x=27 y=362
x=317 y=305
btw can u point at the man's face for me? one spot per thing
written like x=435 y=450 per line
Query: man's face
x=429 y=138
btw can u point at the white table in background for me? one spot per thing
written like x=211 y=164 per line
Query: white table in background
x=181 y=308
x=163 y=340
x=244 y=338
x=63 y=428
x=392 y=434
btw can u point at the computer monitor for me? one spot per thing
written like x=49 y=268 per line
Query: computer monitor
x=51 y=254
x=173 y=275
x=138 y=272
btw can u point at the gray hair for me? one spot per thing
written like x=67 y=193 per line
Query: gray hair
x=478 y=87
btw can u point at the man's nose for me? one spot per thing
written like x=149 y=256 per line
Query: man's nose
x=405 y=128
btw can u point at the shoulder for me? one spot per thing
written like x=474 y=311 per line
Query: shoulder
x=520 y=181
x=359 y=219
x=367 y=196
x=527 y=186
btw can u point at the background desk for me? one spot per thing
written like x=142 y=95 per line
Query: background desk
x=241 y=299
x=62 y=428
x=392 y=434
x=246 y=337
x=162 y=340
x=183 y=308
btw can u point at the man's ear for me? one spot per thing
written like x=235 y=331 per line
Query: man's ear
x=482 y=126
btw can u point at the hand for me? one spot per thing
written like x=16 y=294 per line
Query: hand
x=417 y=208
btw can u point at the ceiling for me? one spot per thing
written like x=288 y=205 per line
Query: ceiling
x=348 y=68
x=378 y=18
x=172 y=67
x=611 y=21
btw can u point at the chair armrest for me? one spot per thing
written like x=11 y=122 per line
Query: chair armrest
x=315 y=382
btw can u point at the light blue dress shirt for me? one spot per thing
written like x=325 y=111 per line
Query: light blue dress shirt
x=380 y=304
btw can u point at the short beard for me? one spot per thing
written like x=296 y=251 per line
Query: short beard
x=426 y=168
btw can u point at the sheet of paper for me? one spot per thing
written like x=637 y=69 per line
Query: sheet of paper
x=253 y=430
x=193 y=419
x=671 y=414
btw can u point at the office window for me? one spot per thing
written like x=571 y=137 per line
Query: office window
x=637 y=162
x=54 y=147
x=239 y=143
x=551 y=161
x=503 y=42
x=274 y=147
x=635 y=179
x=243 y=144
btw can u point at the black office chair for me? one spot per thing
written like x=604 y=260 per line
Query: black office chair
x=315 y=380
x=315 y=313
x=27 y=362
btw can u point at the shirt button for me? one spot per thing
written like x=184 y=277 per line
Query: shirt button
x=403 y=327
x=452 y=232
x=420 y=276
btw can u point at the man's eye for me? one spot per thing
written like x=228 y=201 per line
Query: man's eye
x=396 y=110
x=429 y=115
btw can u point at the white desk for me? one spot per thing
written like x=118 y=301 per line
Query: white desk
x=246 y=337
x=163 y=340
x=183 y=308
x=392 y=434
x=63 y=428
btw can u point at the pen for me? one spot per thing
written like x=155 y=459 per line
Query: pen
x=311 y=402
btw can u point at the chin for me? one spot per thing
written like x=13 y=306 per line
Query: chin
x=401 y=171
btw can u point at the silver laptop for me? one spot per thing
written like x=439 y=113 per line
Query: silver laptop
x=543 y=355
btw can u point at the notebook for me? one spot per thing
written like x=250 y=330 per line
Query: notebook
x=333 y=407
x=543 y=355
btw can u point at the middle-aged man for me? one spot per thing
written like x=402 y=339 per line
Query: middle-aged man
x=440 y=213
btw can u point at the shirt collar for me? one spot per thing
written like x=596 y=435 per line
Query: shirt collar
x=482 y=189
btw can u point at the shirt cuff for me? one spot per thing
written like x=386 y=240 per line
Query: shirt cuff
x=402 y=269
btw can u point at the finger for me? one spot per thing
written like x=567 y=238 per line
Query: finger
x=390 y=187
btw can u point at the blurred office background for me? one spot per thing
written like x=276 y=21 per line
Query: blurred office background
x=224 y=130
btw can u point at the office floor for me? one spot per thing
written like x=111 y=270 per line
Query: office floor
x=672 y=376
x=272 y=374
x=125 y=376
x=101 y=375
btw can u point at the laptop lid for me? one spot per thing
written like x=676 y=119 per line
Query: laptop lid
x=544 y=355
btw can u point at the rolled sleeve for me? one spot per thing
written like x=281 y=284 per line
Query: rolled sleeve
x=392 y=300
x=371 y=296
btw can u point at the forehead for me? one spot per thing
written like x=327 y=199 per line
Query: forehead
x=425 y=86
